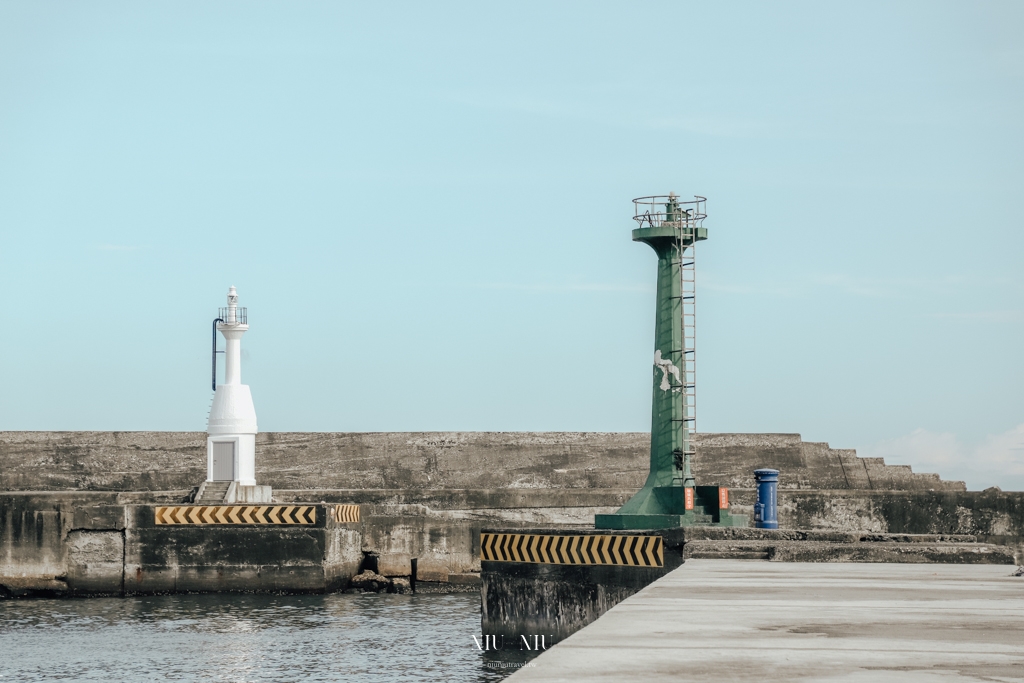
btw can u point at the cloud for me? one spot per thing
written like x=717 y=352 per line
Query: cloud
x=997 y=461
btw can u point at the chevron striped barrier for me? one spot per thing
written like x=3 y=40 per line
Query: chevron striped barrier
x=630 y=551
x=236 y=514
x=346 y=513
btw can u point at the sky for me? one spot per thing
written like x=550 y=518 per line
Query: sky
x=426 y=208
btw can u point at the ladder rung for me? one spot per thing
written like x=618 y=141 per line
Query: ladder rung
x=685 y=259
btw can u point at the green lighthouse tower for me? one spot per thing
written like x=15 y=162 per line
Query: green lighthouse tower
x=670 y=497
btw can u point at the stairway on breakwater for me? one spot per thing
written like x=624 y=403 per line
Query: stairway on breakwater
x=213 y=492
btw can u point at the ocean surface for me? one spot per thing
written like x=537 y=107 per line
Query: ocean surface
x=246 y=638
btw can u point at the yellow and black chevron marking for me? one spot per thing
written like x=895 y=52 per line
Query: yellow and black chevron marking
x=632 y=551
x=236 y=514
x=346 y=513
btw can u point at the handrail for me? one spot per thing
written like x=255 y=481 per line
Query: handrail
x=240 y=316
x=669 y=209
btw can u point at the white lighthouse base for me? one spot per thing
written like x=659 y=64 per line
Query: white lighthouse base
x=231 y=457
x=231 y=470
x=238 y=493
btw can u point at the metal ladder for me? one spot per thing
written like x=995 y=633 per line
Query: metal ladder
x=687 y=354
x=688 y=364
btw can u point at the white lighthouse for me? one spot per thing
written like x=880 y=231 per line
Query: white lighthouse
x=231 y=431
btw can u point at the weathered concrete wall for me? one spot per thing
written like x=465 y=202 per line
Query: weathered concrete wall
x=95 y=562
x=163 y=461
x=343 y=555
x=60 y=543
x=33 y=530
x=993 y=516
x=101 y=461
x=427 y=524
x=424 y=496
x=559 y=599
x=448 y=541
x=443 y=531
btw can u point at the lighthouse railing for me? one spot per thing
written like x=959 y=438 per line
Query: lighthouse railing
x=240 y=316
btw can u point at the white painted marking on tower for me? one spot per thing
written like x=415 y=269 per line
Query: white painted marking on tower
x=667 y=368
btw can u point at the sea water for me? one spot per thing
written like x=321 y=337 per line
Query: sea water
x=247 y=639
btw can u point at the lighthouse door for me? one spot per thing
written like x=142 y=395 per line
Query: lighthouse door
x=223 y=460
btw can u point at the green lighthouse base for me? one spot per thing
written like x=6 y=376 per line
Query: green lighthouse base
x=665 y=508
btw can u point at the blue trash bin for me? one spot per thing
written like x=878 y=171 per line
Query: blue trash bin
x=766 y=507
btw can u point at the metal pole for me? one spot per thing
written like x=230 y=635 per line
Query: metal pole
x=215 y=352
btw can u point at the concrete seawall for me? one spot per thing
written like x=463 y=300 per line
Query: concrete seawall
x=164 y=461
x=427 y=496
x=84 y=545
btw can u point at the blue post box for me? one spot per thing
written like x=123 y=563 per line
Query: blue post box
x=766 y=507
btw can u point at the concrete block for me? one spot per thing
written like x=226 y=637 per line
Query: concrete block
x=342 y=558
x=464 y=579
x=211 y=558
x=95 y=562
x=394 y=564
x=248 y=494
x=99 y=517
x=424 y=535
x=32 y=550
x=428 y=569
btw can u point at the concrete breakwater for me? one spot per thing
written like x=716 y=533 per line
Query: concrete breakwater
x=61 y=546
x=426 y=497
x=556 y=581
x=434 y=461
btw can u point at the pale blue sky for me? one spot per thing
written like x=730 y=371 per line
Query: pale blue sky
x=426 y=209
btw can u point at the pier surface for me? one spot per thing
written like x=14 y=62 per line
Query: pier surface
x=742 y=620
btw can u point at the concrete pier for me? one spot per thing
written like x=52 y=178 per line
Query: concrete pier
x=737 y=620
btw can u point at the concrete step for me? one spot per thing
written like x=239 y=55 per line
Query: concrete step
x=914 y=551
x=712 y=533
x=729 y=553
x=214 y=492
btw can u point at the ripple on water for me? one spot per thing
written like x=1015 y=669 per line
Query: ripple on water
x=244 y=638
